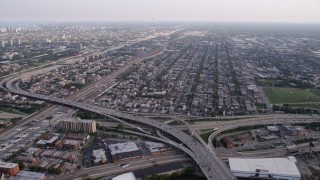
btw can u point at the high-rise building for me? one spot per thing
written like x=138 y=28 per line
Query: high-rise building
x=80 y=46
x=3 y=43
x=78 y=125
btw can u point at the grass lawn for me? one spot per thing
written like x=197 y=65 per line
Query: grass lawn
x=206 y=135
x=290 y=95
x=316 y=91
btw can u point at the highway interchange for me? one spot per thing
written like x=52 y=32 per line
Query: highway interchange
x=203 y=154
x=212 y=167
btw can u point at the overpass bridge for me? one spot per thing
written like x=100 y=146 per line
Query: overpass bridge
x=211 y=165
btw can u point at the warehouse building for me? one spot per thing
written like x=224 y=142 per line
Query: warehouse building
x=277 y=168
x=124 y=151
x=156 y=148
x=126 y=176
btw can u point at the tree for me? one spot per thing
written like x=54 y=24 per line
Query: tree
x=311 y=145
x=120 y=127
x=21 y=165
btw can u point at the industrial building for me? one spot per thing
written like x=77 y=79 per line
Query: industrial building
x=124 y=151
x=45 y=143
x=82 y=138
x=126 y=176
x=78 y=125
x=277 y=168
x=10 y=169
x=156 y=148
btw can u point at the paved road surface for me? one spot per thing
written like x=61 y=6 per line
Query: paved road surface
x=210 y=164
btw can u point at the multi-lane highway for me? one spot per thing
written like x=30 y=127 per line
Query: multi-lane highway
x=274 y=119
x=114 y=168
x=211 y=165
x=82 y=95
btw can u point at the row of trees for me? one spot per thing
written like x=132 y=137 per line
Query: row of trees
x=180 y=174
x=294 y=110
x=89 y=115
x=314 y=125
x=282 y=82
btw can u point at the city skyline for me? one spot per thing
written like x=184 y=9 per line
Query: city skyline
x=283 y=11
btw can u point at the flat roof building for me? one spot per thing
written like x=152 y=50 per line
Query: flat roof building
x=277 y=168
x=100 y=156
x=28 y=175
x=10 y=169
x=155 y=148
x=71 y=144
x=123 y=151
x=273 y=128
x=50 y=142
x=126 y=176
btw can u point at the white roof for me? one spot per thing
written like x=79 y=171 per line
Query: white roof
x=273 y=128
x=99 y=154
x=276 y=166
x=28 y=175
x=123 y=147
x=126 y=176
x=154 y=146
x=72 y=142
x=7 y=164
x=43 y=142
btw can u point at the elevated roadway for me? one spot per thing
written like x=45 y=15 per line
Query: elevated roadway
x=114 y=168
x=227 y=125
x=212 y=166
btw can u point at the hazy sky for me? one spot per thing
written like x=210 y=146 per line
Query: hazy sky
x=307 y=11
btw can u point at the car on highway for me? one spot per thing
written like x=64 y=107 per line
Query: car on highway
x=125 y=165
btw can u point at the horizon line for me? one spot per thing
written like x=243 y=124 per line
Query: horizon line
x=152 y=21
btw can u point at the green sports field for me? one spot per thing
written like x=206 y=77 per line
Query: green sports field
x=291 y=95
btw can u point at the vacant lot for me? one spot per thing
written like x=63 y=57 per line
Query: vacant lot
x=290 y=95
